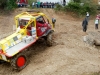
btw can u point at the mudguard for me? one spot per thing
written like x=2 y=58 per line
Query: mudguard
x=47 y=32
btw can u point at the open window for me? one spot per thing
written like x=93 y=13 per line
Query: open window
x=46 y=20
x=41 y=20
x=31 y=25
x=23 y=22
x=31 y=29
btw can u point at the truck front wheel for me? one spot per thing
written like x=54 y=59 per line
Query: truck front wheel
x=49 y=40
x=19 y=61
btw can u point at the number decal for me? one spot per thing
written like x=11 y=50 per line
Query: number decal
x=43 y=29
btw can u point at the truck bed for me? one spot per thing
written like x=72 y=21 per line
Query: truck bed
x=19 y=47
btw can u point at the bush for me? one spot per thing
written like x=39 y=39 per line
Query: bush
x=3 y=3
x=10 y=4
x=75 y=7
x=58 y=7
x=78 y=8
x=78 y=1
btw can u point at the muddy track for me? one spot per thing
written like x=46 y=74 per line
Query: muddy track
x=69 y=55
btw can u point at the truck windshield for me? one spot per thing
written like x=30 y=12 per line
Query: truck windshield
x=23 y=22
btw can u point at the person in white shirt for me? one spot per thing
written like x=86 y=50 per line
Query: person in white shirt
x=33 y=4
x=96 y=23
x=87 y=16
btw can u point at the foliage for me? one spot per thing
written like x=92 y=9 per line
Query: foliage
x=78 y=1
x=75 y=7
x=87 y=6
x=10 y=4
x=58 y=7
x=3 y=3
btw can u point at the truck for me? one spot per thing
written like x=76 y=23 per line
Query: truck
x=22 y=3
x=30 y=27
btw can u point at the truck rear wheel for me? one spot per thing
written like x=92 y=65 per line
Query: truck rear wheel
x=49 y=40
x=1 y=61
x=19 y=61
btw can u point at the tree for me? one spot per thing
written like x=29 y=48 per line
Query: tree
x=78 y=1
x=3 y=3
x=8 y=4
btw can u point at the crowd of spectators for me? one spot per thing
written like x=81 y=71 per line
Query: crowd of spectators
x=44 y=4
x=41 y=4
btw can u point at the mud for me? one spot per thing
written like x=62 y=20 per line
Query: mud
x=68 y=56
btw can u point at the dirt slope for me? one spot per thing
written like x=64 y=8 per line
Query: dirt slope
x=69 y=55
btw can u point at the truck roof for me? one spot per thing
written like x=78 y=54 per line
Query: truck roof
x=29 y=14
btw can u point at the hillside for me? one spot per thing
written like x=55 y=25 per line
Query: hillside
x=68 y=56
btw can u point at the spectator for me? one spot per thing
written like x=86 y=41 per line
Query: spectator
x=97 y=17
x=52 y=4
x=33 y=4
x=47 y=4
x=96 y=23
x=87 y=16
x=44 y=4
x=84 y=25
x=19 y=5
x=38 y=4
x=64 y=3
x=41 y=4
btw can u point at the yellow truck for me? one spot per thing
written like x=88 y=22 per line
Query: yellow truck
x=30 y=26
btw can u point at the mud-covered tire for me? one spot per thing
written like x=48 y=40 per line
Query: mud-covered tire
x=1 y=61
x=19 y=62
x=49 y=40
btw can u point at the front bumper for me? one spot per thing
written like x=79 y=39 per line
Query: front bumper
x=3 y=56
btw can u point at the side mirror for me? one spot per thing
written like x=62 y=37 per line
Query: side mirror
x=53 y=20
